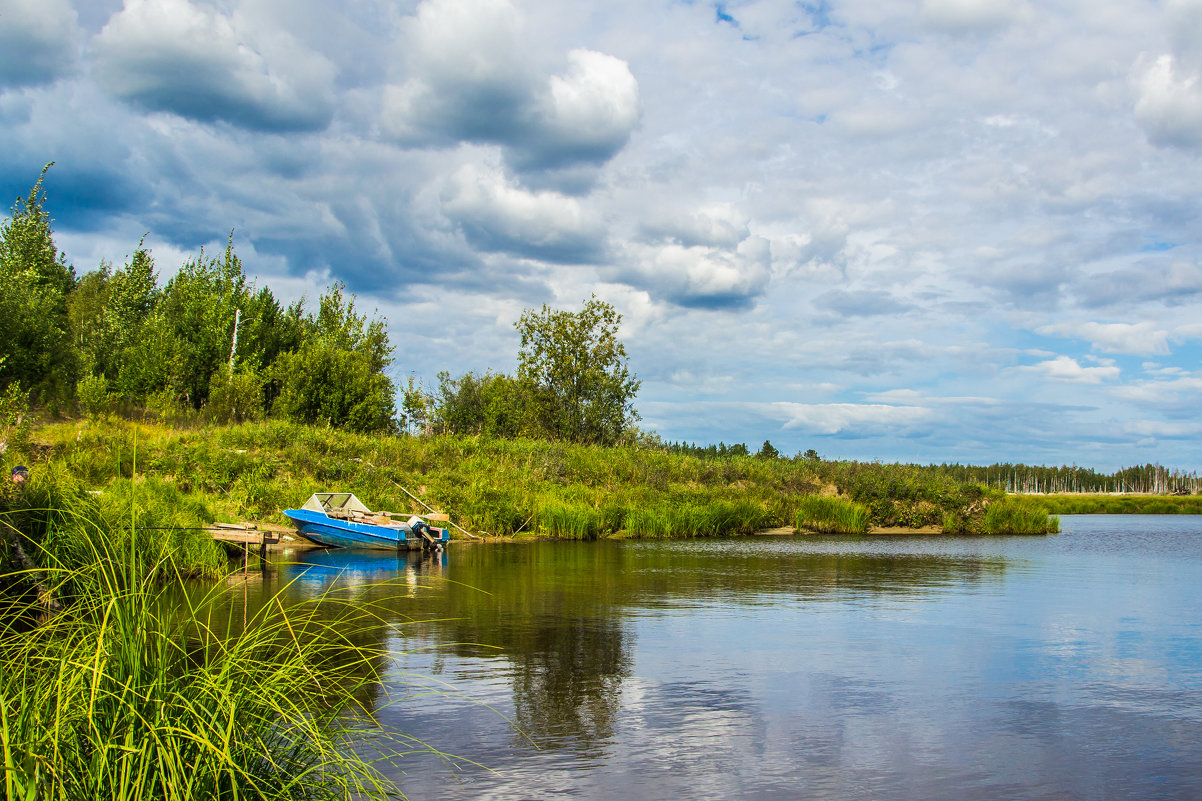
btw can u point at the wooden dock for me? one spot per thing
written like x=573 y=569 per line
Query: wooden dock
x=248 y=535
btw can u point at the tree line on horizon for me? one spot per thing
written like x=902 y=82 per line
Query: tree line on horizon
x=208 y=344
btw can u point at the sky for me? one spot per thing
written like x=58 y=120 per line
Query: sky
x=896 y=230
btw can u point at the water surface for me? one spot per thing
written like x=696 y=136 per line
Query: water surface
x=1062 y=667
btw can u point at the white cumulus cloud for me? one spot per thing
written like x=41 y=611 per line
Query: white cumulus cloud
x=1141 y=339
x=497 y=215
x=471 y=77
x=1068 y=369
x=1169 y=102
x=699 y=276
x=196 y=62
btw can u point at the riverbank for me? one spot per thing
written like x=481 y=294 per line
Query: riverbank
x=491 y=487
x=1116 y=504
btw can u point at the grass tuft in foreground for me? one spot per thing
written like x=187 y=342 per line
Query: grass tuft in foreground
x=134 y=690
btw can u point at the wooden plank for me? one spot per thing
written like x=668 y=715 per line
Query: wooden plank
x=246 y=537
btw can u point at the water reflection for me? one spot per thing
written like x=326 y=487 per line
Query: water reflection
x=557 y=621
x=824 y=668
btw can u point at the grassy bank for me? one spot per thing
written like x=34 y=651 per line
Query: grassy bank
x=1083 y=504
x=498 y=487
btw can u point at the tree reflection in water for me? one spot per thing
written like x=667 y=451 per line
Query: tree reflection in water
x=558 y=615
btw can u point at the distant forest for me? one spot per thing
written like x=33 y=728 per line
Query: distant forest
x=1019 y=478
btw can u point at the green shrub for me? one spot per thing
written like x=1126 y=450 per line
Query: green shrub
x=93 y=394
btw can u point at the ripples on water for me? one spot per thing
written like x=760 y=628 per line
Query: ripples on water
x=1058 y=667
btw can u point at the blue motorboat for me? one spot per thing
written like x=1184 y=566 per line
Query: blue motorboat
x=339 y=519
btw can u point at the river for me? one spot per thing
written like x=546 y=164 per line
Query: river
x=1059 y=667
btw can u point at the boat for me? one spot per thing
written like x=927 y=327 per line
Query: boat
x=340 y=520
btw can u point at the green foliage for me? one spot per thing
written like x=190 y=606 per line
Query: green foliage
x=1019 y=515
x=325 y=385
x=1078 y=504
x=92 y=392
x=767 y=451
x=574 y=369
x=492 y=404
x=417 y=407
x=34 y=284
x=235 y=398
x=14 y=419
x=195 y=319
x=337 y=377
x=107 y=313
x=831 y=515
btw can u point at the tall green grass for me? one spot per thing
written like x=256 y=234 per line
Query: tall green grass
x=139 y=689
x=1019 y=515
x=831 y=515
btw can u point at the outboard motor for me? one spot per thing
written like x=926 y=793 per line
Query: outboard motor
x=421 y=528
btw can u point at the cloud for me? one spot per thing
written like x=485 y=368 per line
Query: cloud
x=968 y=16
x=472 y=78
x=1179 y=392
x=1169 y=102
x=860 y=303
x=495 y=215
x=39 y=41
x=1162 y=429
x=585 y=115
x=720 y=225
x=469 y=79
x=1171 y=283
x=698 y=276
x=1067 y=369
x=191 y=60
x=1142 y=339
x=851 y=418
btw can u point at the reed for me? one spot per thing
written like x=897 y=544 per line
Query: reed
x=568 y=520
x=140 y=689
x=831 y=515
x=1019 y=515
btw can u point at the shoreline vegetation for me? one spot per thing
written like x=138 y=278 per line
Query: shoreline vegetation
x=190 y=476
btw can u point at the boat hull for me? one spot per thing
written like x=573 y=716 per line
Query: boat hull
x=321 y=529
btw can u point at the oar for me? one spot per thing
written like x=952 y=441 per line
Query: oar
x=428 y=507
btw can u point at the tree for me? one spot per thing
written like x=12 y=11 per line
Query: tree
x=195 y=322
x=767 y=451
x=575 y=372
x=35 y=281
x=325 y=385
x=337 y=376
x=416 y=406
x=492 y=404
